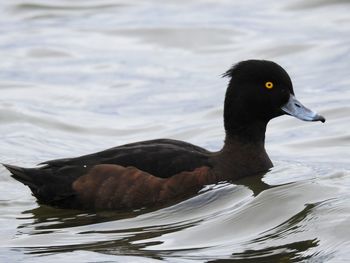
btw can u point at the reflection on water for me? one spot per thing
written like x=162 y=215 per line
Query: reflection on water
x=77 y=77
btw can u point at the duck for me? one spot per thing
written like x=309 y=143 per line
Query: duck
x=163 y=171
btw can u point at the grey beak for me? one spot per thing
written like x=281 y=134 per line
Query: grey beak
x=294 y=108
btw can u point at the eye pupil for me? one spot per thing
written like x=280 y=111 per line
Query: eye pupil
x=269 y=85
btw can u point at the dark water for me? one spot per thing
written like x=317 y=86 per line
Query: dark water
x=82 y=76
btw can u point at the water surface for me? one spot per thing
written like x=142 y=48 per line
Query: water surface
x=81 y=76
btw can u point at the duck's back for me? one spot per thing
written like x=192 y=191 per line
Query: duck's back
x=162 y=158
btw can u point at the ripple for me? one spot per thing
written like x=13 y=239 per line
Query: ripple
x=30 y=6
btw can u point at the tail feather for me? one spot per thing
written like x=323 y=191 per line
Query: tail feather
x=21 y=174
x=47 y=186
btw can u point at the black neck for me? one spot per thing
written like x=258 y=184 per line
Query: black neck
x=246 y=133
x=243 y=153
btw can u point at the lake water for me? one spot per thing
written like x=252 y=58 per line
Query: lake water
x=81 y=76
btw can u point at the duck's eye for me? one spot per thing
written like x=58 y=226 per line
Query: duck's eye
x=269 y=85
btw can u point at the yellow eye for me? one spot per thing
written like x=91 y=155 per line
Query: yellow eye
x=269 y=85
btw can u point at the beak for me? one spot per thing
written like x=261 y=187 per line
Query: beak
x=294 y=108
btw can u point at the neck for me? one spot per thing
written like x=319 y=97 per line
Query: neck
x=243 y=153
x=247 y=133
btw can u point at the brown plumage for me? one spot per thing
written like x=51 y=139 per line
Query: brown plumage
x=117 y=187
x=163 y=171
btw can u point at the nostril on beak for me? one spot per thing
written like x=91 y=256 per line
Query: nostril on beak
x=297 y=105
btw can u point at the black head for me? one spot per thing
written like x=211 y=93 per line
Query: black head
x=258 y=91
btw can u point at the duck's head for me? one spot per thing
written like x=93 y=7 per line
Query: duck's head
x=258 y=91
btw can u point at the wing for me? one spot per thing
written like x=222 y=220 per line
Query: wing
x=161 y=158
x=116 y=187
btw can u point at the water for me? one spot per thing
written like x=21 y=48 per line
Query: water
x=81 y=76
